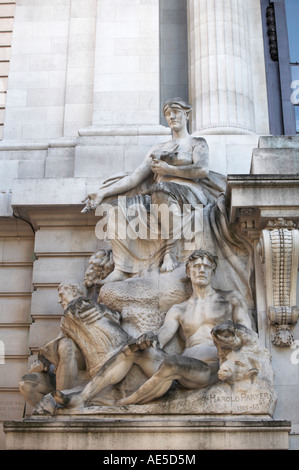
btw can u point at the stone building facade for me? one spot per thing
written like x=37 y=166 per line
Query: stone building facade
x=82 y=86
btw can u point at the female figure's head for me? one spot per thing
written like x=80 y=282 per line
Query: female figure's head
x=176 y=112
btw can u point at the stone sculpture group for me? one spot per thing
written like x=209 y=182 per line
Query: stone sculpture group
x=163 y=322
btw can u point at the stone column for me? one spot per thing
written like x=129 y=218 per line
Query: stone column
x=220 y=79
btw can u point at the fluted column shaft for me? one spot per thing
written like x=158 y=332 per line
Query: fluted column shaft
x=221 y=89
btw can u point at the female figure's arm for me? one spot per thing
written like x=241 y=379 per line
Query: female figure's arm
x=127 y=183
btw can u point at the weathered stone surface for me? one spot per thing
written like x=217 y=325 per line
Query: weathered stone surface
x=148 y=433
x=278 y=161
x=220 y=399
x=279 y=142
x=143 y=302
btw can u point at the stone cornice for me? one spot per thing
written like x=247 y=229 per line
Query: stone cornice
x=269 y=195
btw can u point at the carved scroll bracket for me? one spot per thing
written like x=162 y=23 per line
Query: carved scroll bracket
x=279 y=251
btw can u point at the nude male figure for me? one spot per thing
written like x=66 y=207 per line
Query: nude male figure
x=198 y=364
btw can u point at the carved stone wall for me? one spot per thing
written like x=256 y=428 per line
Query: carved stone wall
x=16 y=264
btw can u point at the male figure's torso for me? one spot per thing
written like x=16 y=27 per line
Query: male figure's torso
x=197 y=318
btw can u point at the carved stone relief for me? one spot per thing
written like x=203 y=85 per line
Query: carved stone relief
x=161 y=324
x=279 y=251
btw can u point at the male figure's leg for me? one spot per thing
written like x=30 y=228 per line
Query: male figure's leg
x=191 y=373
x=70 y=361
x=112 y=372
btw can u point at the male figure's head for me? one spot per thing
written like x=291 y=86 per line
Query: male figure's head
x=176 y=112
x=200 y=267
x=71 y=290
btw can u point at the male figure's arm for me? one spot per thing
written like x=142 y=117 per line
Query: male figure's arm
x=170 y=326
x=165 y=333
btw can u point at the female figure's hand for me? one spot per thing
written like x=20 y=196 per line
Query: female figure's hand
x=92 y=201
x=159 y=167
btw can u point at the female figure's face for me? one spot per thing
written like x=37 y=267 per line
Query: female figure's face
x=176 y=118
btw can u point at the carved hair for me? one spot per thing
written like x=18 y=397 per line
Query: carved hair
x=177 y=102
x=78 y=288
x=201 y=254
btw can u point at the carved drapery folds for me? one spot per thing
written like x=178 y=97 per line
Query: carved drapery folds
x=279 y=250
